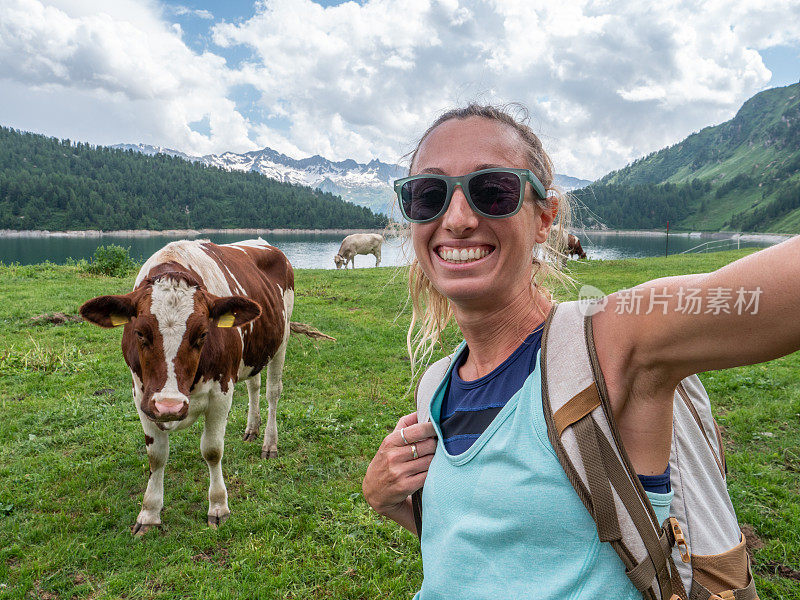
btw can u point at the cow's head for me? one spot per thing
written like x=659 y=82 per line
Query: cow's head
x=168 y=321
x=339 y=260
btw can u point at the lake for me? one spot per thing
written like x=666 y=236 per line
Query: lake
x=316 y=251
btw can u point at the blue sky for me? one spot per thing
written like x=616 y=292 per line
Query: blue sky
x=604 y=83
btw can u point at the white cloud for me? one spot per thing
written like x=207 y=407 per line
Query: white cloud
x=200 y=13
x=123 y=54
x=605 y=82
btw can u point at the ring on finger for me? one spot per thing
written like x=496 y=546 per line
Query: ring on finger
x=403 y=435
x=414 y=455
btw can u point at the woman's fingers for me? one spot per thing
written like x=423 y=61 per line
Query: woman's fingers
x=423 y=448
x=412 y=434
x=419 y=466
x=406 y=421
x=400 y=465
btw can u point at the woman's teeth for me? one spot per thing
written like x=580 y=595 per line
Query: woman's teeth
x=461 y=255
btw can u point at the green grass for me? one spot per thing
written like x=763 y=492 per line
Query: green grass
x=73 y=466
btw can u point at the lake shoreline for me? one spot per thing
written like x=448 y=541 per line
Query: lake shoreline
x=195 y=233
x=701 y=235
x=189 y=233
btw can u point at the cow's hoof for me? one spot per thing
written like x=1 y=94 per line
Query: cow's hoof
x=273 y=453
x=215 y=521
x=250 y=435
x=141 y=528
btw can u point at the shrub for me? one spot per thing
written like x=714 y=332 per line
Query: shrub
x=111 y=260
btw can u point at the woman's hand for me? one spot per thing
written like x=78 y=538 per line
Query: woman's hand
x=395 y=473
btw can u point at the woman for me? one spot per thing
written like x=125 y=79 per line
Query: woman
x=501 y=520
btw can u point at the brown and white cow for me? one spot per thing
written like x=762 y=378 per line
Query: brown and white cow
x=200 y=318
x=359 y=243
x=573 y=245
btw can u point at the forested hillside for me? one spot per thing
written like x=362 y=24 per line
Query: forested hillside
x=46 y=183
x=741 y=175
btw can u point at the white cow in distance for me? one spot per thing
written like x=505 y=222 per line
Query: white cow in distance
x=359 y=243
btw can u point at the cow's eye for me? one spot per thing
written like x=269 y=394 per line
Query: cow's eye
x=141 y=337
x=200 y=339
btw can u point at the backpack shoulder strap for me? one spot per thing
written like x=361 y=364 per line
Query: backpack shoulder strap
x=428 y=384
x=423 y=394
x=584 y=436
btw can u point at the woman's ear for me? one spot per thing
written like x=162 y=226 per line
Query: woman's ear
x=546 y=217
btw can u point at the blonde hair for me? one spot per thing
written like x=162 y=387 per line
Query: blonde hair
x=431 y=312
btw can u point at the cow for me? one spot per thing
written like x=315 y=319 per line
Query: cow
x=573 y=245
x=358 y=243
x=201 y=317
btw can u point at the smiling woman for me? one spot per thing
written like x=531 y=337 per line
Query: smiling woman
x=495 y=140
x=500 y=518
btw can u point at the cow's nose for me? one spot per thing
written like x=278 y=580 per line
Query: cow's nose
x=169 y=407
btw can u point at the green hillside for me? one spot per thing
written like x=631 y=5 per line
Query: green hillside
x=741 y=175
x=46 y=183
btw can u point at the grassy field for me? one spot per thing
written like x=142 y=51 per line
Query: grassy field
x=73 y=466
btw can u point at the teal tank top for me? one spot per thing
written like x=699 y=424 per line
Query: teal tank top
x=501 y=520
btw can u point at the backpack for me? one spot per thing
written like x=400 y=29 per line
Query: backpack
x=700 y=547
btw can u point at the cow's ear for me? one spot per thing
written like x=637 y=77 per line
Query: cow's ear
x=109 y=311
x=233 y=311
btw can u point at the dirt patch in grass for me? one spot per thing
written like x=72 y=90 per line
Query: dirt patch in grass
x=44 y=594
x=216 y=556
x=791 y=459
x=57 y=318
x=752 y=541
x=772 y=567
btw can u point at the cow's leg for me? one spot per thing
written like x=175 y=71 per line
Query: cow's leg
x=253 y=408
x=274 y=389
x=157 y=444
x=377 y=257
x=275 y=383
x=212 y=445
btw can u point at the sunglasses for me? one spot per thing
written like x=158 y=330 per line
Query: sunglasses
x=493 y=193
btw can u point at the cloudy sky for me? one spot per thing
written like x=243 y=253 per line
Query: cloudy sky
x=606 y=81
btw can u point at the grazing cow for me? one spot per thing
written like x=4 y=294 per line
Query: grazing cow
x=200 y=318
x=359 y=243
x=574 y=247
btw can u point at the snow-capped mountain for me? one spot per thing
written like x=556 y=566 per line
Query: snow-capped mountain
x=364 y=184
x=367 y=184
x=153 y=150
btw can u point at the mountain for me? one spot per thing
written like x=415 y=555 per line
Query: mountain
x=46 y=183
x=367 y=184
x=567 y=183
x=741 y=175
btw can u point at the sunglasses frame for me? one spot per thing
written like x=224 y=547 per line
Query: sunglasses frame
x=462 y=181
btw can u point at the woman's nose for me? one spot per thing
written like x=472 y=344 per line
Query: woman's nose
x=459 y=217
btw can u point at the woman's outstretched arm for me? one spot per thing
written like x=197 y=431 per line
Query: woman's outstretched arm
x=650 y=337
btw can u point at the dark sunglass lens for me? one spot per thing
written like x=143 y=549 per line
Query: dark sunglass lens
x=423 y=198
x=495 y=194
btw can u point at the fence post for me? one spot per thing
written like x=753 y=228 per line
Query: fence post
x=666 y=250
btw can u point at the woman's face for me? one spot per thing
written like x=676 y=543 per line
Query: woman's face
x=503 y=248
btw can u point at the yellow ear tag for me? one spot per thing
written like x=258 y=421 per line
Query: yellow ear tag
x=117 y=320
x=225 y=320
